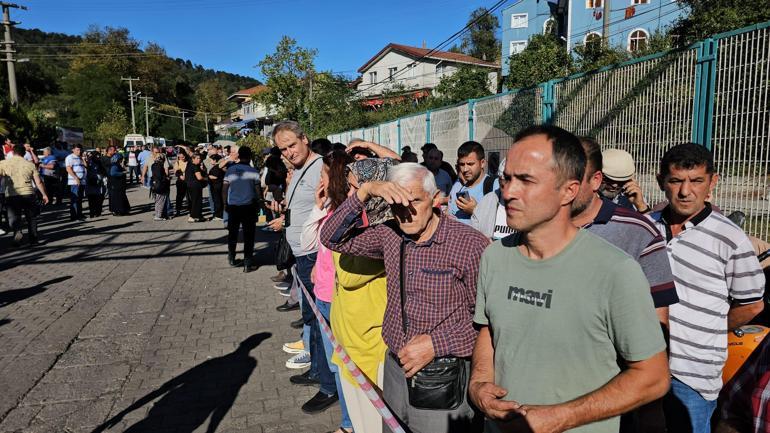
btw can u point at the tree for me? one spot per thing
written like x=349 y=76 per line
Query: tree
x=708 y=17
x=331 y=107
x=210 y=97
x=544 y=58
x=288 y=72
x=93 y=89
x=467 y=83
x=114 y=125
x=481 y=39
x=595 y=55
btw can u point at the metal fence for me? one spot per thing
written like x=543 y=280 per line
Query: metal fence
x=715 y=93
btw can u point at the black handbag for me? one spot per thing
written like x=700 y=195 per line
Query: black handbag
x=440 y=385
x=284 y=257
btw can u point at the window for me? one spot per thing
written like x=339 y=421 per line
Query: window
x=549 y=27
x=592 y=39
x=440 y=70
x=517 y=47
x=637 y=40
x=392 y=72
x=372 y=77
x=519 y=21
x=412 y=70
x=591 y=4
x=640 y=2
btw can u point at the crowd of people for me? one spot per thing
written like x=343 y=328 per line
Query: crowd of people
x=543 y=295
x=547 y=296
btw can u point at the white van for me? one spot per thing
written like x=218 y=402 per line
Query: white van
x=133 y=140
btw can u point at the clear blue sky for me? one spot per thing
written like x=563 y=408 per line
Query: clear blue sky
x=234 y=35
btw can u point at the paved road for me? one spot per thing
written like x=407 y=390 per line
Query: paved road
x=126 y=324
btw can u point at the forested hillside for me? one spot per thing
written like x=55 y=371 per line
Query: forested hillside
x=75 y=81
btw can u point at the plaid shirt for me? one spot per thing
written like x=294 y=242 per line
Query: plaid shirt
x=745 y=400
x=441 y=277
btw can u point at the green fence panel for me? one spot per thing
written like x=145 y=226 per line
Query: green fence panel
x=413 y=132
x=642 y=107
x=740 y=126
x=389 y=135
x=449 y=129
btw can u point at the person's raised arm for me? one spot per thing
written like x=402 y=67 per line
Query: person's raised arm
x=379 y=150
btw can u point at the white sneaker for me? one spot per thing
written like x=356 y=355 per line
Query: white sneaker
x=298 y=361
x=282 y=286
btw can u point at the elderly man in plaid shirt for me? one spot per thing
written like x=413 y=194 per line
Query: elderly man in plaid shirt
x=439 y=258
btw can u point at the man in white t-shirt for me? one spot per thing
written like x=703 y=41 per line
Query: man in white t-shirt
x=133 y=165
x=76 y=177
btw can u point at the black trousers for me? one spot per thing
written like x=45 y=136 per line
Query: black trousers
x=181 y=193
x=238 y=216
x=25 y=205
x=95 y=203
x=216 y=196
x=196 y=202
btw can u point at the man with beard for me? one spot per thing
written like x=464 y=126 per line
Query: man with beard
x=472 y=183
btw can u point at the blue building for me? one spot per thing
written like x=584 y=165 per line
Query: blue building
x=632 y=22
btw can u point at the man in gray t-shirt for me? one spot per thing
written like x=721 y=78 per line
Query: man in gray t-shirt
x=294 y=146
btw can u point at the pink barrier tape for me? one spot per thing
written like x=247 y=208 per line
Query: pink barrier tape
x=361 y=379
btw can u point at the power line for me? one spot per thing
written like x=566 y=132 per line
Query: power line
x=450 y=39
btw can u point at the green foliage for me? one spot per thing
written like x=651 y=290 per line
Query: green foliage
x=708 y=17
x=331 y=107
x=211 y=97
x=545 y=58
x=467 y=82
x=481 y=41
x=597 y=55
x=256 y=143
x=74 y=81
x=288 y=72
x=114 y=124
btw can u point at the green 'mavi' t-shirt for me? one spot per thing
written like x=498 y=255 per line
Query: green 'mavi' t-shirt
x=559 y=325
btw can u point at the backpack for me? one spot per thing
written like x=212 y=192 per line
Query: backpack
x=489 y=184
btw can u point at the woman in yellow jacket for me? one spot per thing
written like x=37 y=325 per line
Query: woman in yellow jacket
x=358 y=304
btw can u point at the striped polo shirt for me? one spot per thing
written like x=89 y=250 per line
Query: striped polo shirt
x=633 y=233
x=714 y=265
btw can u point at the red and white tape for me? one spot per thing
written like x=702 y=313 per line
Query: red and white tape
x=363 y=382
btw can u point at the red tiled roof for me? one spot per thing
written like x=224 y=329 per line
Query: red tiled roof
x=251 y=91
x=423 y=52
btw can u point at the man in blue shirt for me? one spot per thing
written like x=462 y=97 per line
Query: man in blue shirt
x=142 y=158
x=240 y=193
x=472 y=183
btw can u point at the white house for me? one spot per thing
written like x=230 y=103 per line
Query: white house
x=249 y=115
x=414 y=71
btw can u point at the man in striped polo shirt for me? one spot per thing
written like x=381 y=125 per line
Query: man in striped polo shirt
x=718 y=279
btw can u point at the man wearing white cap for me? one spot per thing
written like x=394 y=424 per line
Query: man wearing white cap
x=618 y=184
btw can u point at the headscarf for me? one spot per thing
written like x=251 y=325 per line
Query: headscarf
x=374 y=169
x=116 y=158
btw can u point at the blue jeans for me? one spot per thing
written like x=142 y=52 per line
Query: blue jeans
x=76 y=201
x=686 y=410
x=325 y=308
x=212 y=203
x=319 y=368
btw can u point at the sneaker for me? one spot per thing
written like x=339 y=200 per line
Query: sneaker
x=320 y=402
x=279 y=277
x=297 y=324
x=287 y=306
x=299 y=361
x=281 y=286
x=158 y=219
x=295 y=347
x=2 y=232
x=216 y=219
x=285 y=292
x=191 y=220
x=304 y=379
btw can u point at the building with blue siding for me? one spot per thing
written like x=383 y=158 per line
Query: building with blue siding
x=632 y=22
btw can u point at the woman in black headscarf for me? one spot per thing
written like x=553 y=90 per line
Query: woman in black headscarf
x=118 y=200
x=196 y=178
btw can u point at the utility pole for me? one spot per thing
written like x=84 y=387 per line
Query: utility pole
x=8 y=51
x=184 y=129
x=131 y=99
x=206 y=120
x=606 y=23
x=146 y=114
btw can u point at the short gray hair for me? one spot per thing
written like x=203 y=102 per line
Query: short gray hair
x=406 y=172
x=288 y=125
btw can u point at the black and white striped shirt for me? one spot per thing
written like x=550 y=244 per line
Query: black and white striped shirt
x=714 y=265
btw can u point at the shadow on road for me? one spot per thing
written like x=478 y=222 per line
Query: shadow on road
x=188 y=400
x=5 y=321
x=8 y=297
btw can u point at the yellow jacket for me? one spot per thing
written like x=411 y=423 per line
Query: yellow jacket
x=358 y=307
